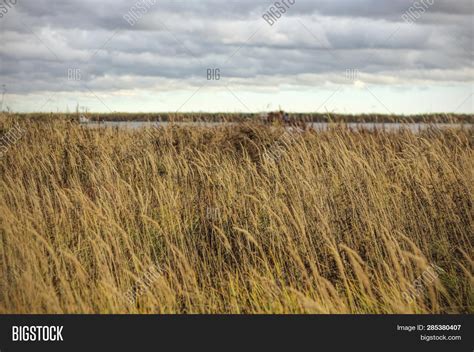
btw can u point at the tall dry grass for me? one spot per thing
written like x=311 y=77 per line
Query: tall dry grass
x=244 y=219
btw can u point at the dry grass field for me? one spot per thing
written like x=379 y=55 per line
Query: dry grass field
x=235 y=219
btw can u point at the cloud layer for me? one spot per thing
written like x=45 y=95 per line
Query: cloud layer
x=172 y=44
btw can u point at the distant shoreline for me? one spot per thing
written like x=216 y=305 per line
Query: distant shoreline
x=249 y=117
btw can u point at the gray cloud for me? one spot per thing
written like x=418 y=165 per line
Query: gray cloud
x=176 y=41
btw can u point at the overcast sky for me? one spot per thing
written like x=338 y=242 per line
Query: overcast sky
x=348 y=56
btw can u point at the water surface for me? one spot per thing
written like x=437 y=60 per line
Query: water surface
x=319 y=126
